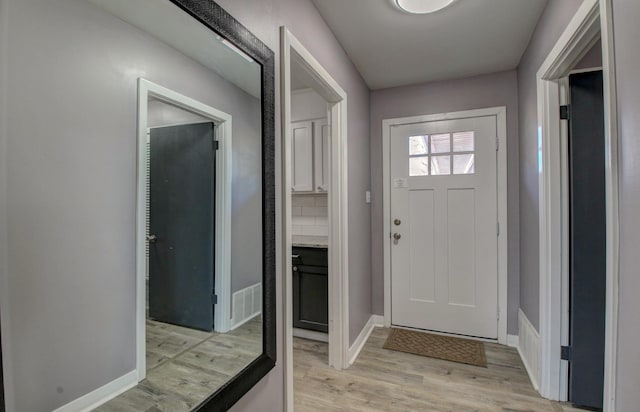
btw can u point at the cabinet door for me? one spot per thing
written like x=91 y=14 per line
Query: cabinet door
x=310 y=289
x=322 y=132
x=302 y=157
x=310 y=298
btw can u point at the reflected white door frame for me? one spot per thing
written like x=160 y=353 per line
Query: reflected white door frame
x=223 y=122
x=293 y=51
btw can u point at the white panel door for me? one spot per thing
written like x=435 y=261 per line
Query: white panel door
x=444 y=240
x=302 y=156
x=321 y=132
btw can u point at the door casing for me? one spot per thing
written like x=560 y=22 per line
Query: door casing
x=592 y=21
x=501 y=116
x=340 y=354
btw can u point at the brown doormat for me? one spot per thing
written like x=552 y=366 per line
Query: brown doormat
x=459 y=350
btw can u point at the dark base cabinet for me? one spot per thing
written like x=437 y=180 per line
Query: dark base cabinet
x=310 y=289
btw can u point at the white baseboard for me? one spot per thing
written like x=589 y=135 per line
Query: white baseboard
x=311 y=335
x=354 y=350
x=513 y=341
x=101 y=395
x=529 y=348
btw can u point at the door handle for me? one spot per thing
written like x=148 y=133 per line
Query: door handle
x=397 y=236
x=151 y=238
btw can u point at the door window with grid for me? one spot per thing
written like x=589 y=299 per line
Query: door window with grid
x=442 y=154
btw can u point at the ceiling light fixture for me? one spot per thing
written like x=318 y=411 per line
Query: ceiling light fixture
x=422 y=6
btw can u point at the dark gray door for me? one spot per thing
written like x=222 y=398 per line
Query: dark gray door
x=587 y=239
x=181 y=217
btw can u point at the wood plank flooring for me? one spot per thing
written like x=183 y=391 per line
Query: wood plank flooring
x=385 y=380
x=185 y=366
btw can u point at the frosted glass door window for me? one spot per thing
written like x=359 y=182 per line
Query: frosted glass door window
x=464 y=142
x=442 y=154
x=418 y=145
x=463 y=164
x=419 y=166
x=441 y=143
x=440 y=165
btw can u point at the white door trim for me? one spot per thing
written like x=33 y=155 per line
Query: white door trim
x=592 y=21
x=222 y=315
x=501 y=114
x=324 y=84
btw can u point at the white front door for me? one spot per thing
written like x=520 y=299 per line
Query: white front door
x=444 y=240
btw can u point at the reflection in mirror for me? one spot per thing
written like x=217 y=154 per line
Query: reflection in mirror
x=199 y=214
x=154 y=127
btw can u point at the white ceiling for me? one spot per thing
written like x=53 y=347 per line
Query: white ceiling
x=393 y=48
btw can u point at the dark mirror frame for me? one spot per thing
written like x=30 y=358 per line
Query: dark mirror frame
x=219 y=21
x=222 y=23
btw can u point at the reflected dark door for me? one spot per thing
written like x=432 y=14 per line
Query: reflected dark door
x=181 y=217
x=587 y=239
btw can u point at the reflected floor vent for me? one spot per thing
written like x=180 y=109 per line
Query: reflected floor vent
x=246 y=304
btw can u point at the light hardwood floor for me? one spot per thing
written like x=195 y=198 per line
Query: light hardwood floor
x=185 y=366
x=385 y=380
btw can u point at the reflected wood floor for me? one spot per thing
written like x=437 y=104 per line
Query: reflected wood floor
x=385 y=380
x=185 y=366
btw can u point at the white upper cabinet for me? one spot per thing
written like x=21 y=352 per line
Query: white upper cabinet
x=310 y=156
x=302 y=156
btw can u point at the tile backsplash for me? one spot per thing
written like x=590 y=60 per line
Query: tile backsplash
x=309 y=215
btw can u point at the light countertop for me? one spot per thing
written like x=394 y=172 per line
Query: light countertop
x=310 y=241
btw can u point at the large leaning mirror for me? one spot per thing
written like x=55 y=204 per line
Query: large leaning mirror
x=190 y=91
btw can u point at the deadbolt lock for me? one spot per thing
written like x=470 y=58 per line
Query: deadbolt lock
x=397 y=222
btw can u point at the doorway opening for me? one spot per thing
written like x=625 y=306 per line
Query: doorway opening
x=562 y=281
x=445 y=193
x=314 y=173
x=183 y=231
x=584 y=218
x=310 y=136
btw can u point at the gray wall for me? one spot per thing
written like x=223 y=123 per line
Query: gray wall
x=592 y=59
x=264 y=17
x=307 y=105
x=552 y=23
x=71 y=143
x=627 y=32
x=161 y=114
x=499 y=89
x=68 y=323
